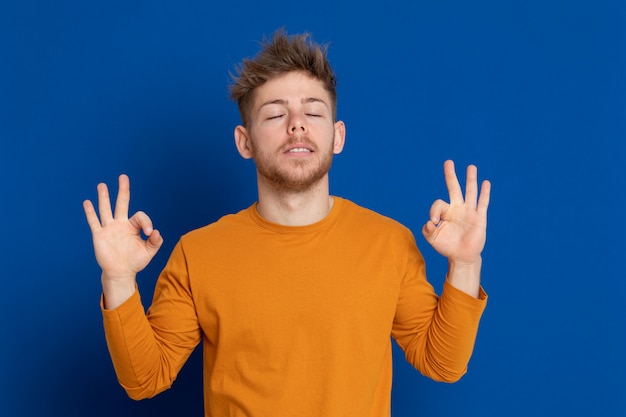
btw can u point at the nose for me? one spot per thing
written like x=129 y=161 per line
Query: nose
x=296 y=124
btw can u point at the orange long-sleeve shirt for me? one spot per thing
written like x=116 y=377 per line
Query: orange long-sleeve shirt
x=295 y=321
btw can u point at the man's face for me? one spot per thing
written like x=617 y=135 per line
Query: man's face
x=292 y=136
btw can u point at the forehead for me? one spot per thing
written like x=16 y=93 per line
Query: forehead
x=293 y=86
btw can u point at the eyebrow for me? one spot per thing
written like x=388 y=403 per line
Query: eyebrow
x=283 y=102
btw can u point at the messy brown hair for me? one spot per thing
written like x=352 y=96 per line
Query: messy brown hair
x=279 y=55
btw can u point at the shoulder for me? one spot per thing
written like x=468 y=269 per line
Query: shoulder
x=382 y=235
x=367 y=219
x=353 y=210
x=220 y=229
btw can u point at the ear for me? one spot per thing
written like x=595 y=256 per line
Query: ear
x=340 y=137
x=242 y=141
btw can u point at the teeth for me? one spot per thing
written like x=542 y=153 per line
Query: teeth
x=299 y=150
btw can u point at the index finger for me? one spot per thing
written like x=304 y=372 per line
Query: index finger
x=452 y=182
x=123 y=197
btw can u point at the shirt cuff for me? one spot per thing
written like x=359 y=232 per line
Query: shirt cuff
x=464 y=297
x=126 y=309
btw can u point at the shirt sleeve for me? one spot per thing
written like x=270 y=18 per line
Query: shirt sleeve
x=437 y=334
x=148 y=350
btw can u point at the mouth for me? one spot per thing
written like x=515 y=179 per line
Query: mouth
x=299 y=150
x=301 y=146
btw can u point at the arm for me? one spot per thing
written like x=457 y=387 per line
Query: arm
x=147 y=351
x=458 y=229
x=437 y=334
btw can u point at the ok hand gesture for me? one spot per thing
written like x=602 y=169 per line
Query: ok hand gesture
x=120 y=250
x=458 y=230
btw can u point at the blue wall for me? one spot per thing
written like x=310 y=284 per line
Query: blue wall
x=533 y=92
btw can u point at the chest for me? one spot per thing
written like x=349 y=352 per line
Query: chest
x=275 y=288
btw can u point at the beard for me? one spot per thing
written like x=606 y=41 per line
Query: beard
x=295 y=175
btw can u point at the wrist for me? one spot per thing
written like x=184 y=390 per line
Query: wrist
x=465 y=276
x=116 y=291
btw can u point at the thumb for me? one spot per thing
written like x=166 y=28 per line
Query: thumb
x=429 y=231
x=154 y=242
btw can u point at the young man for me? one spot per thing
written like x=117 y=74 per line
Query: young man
x=294 y=298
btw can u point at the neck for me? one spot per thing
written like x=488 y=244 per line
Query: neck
x=295 y=208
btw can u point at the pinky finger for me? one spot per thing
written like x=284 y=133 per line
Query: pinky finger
x=90 y=214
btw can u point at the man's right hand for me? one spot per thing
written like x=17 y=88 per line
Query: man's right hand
x=120 y=250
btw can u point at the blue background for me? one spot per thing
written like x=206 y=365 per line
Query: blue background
x=533 y=92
